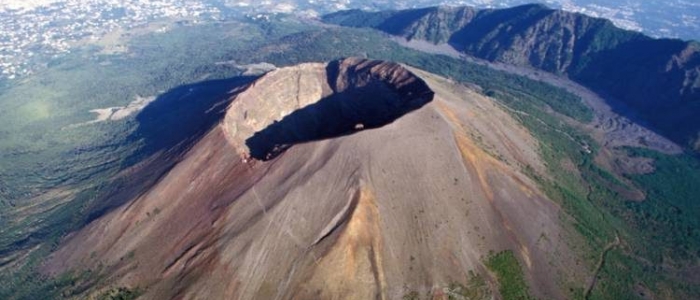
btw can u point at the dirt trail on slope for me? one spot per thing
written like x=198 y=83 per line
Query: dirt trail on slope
x=601 y=263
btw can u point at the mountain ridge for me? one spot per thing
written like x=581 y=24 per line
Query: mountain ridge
x=658 y=77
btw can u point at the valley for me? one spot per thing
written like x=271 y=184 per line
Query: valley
x=630 y=67
x=618 y=129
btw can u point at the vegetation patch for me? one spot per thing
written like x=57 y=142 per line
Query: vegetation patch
x=120 y=293
x=475 y=288
x=511 y=282
x=668 y=217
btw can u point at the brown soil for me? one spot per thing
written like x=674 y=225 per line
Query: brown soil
x=413 y=204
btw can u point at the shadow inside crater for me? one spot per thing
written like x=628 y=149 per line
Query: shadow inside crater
x=373 y=103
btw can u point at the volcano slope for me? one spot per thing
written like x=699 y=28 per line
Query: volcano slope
x=355 y=179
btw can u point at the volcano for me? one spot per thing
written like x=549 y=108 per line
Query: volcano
x=354 y=179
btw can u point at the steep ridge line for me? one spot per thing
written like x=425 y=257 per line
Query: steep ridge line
x=658 y=79
x=618 y=130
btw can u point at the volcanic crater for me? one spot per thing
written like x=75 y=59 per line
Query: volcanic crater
x=280 y=201
x=356 y=94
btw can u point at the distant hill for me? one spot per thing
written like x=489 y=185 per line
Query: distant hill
x=660 y=78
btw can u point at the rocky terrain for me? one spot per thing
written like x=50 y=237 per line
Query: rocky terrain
x=659 y=78
x=221 y=159
x=373 y=181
